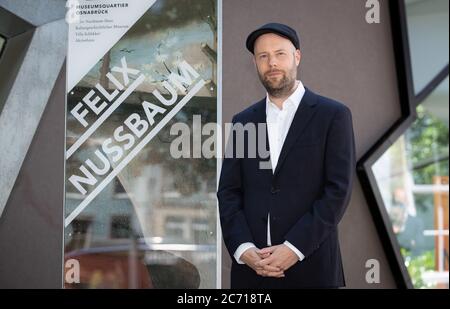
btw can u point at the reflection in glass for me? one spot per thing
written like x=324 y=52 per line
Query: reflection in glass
x=154 y=225
x=427 y=22
x=412 y=177
x=2 y=43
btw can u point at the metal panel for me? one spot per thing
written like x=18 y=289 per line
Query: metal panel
x=35 y=12
x=27 y=100
x=31 y=228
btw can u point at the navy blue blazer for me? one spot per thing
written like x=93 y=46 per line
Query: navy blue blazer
x=306 y=195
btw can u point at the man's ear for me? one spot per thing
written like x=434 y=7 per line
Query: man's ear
x=298 y=56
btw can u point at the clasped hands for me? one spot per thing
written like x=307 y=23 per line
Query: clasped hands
x=270 y=261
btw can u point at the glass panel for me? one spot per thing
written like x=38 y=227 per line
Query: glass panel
x=2 y=42
x=412 y=177
x=428 y=39
x=154 y=224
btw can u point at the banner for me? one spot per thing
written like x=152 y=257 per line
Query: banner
x=141 y=79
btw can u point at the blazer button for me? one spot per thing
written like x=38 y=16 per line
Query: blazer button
x=274 y=190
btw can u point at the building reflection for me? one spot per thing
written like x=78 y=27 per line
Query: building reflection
x=154 y=225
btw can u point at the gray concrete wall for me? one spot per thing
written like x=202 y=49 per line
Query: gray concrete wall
x=31 y=227
x=32 y=144
x=36 y=12
x=27 y=98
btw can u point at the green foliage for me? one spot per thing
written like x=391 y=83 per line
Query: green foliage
x=428 y=139
x=417 y=265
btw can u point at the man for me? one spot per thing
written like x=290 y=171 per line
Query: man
x=280 y=224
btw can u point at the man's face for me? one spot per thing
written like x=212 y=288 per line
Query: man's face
x=276 y=60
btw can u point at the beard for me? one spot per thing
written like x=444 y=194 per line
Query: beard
x=279 y=86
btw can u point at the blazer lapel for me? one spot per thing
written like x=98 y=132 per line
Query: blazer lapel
x=260 y=111
x=302 y=116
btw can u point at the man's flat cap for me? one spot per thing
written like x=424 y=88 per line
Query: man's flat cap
x=280 y=29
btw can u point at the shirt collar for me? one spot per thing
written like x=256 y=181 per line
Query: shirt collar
x=294 y=99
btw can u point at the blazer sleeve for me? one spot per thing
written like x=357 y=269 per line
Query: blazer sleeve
x=326 y=212
x=235 y=230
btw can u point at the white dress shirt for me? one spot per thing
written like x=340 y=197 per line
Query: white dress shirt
x=278 y=124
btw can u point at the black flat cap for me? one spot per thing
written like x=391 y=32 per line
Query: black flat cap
x=280 y=29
